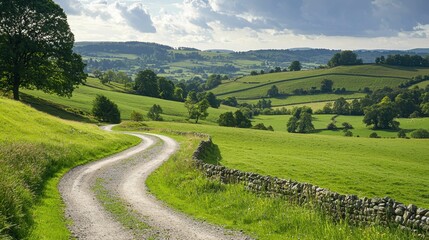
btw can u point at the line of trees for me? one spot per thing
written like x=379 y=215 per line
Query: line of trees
x=404 y=60
x=384 y=105
x=147 y=83
x=237 y=119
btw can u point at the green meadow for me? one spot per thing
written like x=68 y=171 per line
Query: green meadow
x=183 y=187
x=362 y=166
x=353 y=78
x=42 y=147
x=84 y=95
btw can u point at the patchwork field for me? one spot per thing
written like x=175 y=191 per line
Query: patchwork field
x=353 y=78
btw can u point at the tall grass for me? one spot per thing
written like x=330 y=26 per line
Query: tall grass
x=183 y=187
x=35 y=146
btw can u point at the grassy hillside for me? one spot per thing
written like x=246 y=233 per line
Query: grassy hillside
x=83 y=97
x=353 y=78
x=363 y=166
x=33 y=147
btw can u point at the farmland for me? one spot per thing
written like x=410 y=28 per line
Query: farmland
x=353 y=78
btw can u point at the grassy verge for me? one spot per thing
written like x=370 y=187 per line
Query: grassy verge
x=186 y=189
x=118 y=209
x=34 y=148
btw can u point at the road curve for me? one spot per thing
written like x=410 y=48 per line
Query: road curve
x=90 y=219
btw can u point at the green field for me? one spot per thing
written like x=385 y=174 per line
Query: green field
x=84 y=95
x=353 y=78
x=362 y=166
x=34 y=147
x=183 y=187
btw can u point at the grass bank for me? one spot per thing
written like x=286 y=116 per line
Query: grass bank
x=35 y=149
x=180 y=185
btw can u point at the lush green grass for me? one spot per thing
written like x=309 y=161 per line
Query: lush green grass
x=423 y=84
x=113 y=86
x=184 y=188
x=352 y=78
x=362 y=166
x=118 y=208
x=313 y=105
x=33 y=148
x=83 y=97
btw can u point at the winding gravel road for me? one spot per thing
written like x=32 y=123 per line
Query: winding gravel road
x=126 y=173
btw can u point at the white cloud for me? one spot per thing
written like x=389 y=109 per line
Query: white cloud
x=253 y=24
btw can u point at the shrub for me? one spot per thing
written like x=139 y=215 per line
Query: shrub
x=227 y=119
x=420 y=133
x=347 y=125
x=373 y=135
x=348 y=133
x=136 y=116
x=155 y=113
x=105 y=110
x=402 y=134
x=331 y=126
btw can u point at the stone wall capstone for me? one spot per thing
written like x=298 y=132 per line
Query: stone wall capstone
x=357 y=211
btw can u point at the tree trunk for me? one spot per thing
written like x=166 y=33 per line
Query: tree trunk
x=16 y=83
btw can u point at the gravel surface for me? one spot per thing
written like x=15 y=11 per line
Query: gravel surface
x=125 y=175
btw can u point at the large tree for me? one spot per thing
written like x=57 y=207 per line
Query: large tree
x=146 y=83
x=36 y=48
x=344 y=58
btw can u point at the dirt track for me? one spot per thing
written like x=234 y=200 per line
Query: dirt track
x=126 y=173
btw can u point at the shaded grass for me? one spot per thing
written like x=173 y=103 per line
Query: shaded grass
x=33 y=148
x=184 y=188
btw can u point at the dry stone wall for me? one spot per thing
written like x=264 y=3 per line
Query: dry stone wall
x=357 y=211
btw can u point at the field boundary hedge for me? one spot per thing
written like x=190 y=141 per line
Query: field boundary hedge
x=355 y=210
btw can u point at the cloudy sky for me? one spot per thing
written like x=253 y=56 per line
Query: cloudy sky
x=254 y=24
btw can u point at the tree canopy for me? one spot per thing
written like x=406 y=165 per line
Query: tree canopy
x=36 y=48
x=295 y=66
x=105 y=110
x=344 y=58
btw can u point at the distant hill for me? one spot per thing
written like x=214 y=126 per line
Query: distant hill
x=292 y=85
x=184 y=63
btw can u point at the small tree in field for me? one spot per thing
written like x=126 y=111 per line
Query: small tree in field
x=136 y=116
x=155 y=113
x=105 y=110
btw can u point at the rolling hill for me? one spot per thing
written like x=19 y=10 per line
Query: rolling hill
x=353 y=78
x=84 y=95
x=34 y=147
